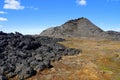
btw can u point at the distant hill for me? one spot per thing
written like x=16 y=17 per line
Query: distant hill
x=81 y=27
x=114 y=34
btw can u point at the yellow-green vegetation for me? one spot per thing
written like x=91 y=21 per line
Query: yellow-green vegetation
x=99 y=60
x=104 y=68
x=105 y=54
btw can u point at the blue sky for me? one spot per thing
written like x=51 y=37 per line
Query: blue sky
x=33 y=16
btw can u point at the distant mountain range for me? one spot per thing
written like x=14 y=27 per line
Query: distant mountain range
x=81 y=27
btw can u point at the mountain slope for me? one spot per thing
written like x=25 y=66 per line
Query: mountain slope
x=80 y=27
x=114 y=34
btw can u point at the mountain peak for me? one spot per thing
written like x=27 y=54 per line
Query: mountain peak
x=82 y=18
x=78 y=19
x=79 y=22
x=80 y=27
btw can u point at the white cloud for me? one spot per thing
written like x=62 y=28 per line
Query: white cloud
x=82 y=2
x=3 y=19
x=34 y=8
x=2 y=12
x=13 y=4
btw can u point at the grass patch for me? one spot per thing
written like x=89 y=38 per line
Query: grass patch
x=100 y=52
x=105 y=68
x=118 y=78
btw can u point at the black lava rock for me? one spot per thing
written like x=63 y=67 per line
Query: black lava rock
x=3 y=77
x=24 y=55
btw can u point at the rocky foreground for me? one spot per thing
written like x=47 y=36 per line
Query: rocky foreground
x=24 y=55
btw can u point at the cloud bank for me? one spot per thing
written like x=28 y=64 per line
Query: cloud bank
x=13 y=4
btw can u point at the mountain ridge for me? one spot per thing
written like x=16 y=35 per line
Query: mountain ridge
x=81 y=27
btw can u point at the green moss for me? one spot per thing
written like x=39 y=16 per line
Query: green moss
x=118 y=78
x=104 y=68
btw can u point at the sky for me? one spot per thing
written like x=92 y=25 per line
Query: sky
x=34 y=16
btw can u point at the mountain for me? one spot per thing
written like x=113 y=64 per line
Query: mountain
x=81 y=27
x=114 y=34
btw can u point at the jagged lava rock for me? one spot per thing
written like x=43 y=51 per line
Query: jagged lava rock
x=24 y=55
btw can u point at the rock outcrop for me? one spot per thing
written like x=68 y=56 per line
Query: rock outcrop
x=24 y=55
